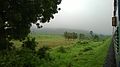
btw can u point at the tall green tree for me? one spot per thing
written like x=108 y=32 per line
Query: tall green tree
x=16 y=17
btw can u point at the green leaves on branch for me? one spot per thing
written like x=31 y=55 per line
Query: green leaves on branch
x=17 y=16
x=21 y=13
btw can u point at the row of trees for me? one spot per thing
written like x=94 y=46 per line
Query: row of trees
x=69 y=35
x=73 y=35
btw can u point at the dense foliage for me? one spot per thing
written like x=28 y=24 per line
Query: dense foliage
x=68 y=53
x=16 y=17
x=21 y=58
x=29 y=43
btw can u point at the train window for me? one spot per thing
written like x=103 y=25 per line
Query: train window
x=114 y=21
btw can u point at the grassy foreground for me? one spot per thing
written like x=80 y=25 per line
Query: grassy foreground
x=92 y=54
x=69 y=53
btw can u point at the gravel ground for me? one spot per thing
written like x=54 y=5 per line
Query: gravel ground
x=110 y=58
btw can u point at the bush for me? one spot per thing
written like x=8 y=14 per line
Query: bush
x=19 y=58
x=96 y=38
x=29 y=43
x=61 y=49
x=42 y=53
x=87 y=49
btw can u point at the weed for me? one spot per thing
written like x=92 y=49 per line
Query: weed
x=62 y=49
x=87 y=49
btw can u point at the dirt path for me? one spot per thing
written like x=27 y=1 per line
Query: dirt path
x=110 y=59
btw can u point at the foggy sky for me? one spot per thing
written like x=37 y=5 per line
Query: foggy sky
x=84 y=15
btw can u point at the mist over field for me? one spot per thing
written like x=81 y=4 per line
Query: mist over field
x=78 y=34
x=84 y=15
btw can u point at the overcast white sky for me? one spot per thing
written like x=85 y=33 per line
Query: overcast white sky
x=84 y=14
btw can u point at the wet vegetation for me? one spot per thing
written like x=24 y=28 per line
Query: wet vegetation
x=68 y=53
x=19 y=48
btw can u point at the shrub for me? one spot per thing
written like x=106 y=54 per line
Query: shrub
x=19 y=58
x=82 y=42
x=96 y=38
x=87 y=49
x=42 y=53
x=61 y=49
x=29 y=43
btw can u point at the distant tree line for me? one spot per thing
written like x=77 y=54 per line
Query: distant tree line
x=81 y=36
x=69 y=35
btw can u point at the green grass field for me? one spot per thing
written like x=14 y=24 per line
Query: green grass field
x=82 y=55
x=72 y=53
x=52 y=41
